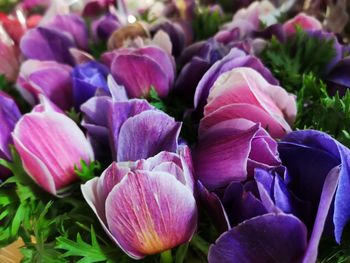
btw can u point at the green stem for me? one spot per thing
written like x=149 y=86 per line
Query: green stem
x=199 y=243
x=166 y=257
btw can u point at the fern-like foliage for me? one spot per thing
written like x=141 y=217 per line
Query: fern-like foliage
x=300 y=54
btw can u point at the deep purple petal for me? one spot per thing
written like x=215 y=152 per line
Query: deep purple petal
x=240 y=204
x=9 y=115
x=323 y=154
x=87 y=79
x=271 y=238
x=326 y=199
x=212 y=204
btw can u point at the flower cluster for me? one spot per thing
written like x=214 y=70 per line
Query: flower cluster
x=147 y=129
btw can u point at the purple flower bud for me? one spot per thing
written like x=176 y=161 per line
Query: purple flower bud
x=103 y=27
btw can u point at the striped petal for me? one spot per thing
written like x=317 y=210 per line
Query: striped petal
x=161 y=215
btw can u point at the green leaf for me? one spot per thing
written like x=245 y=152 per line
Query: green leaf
x=199 y=243
x=317 y=110
x=155 y=100
x=74 y=115
x=87 y=171
x=181 y=253
x=88 y=252
x=288 y=61
x=207 y=22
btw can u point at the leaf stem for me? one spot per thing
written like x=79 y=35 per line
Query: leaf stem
x=166 y=257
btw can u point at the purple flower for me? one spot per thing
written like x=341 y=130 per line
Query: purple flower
x=243 y=146
x=103 y=27
x=196 y=60
x=124 y=123
x=50 y=78
x=176 y=33
x=267 y=238
x=47 y=44
x=146 y=206
x=324 y=156
x=9 y=115
x=236 y=58
x=72 y=25
x=87 y=79
x=140 y=69
x=309 y=189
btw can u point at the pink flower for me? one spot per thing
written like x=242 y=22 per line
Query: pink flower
x=50 y=145
x=148 y=206
x=305 y=21
x=9 y=63
x=9 y=56
x=244 y=93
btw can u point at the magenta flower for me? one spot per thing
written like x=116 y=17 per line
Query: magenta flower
x=244 y=93
x=50 y=145
x=242 y=147
x=147 y=206
x=140 y=69
x=49 y=78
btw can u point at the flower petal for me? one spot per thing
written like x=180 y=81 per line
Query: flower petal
x=47 y=44
x=56 y=141
x=217 y=170
x=160 y=130
x=160 y=215
x=271 y=238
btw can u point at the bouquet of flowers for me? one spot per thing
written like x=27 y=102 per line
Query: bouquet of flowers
x=175 y=131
